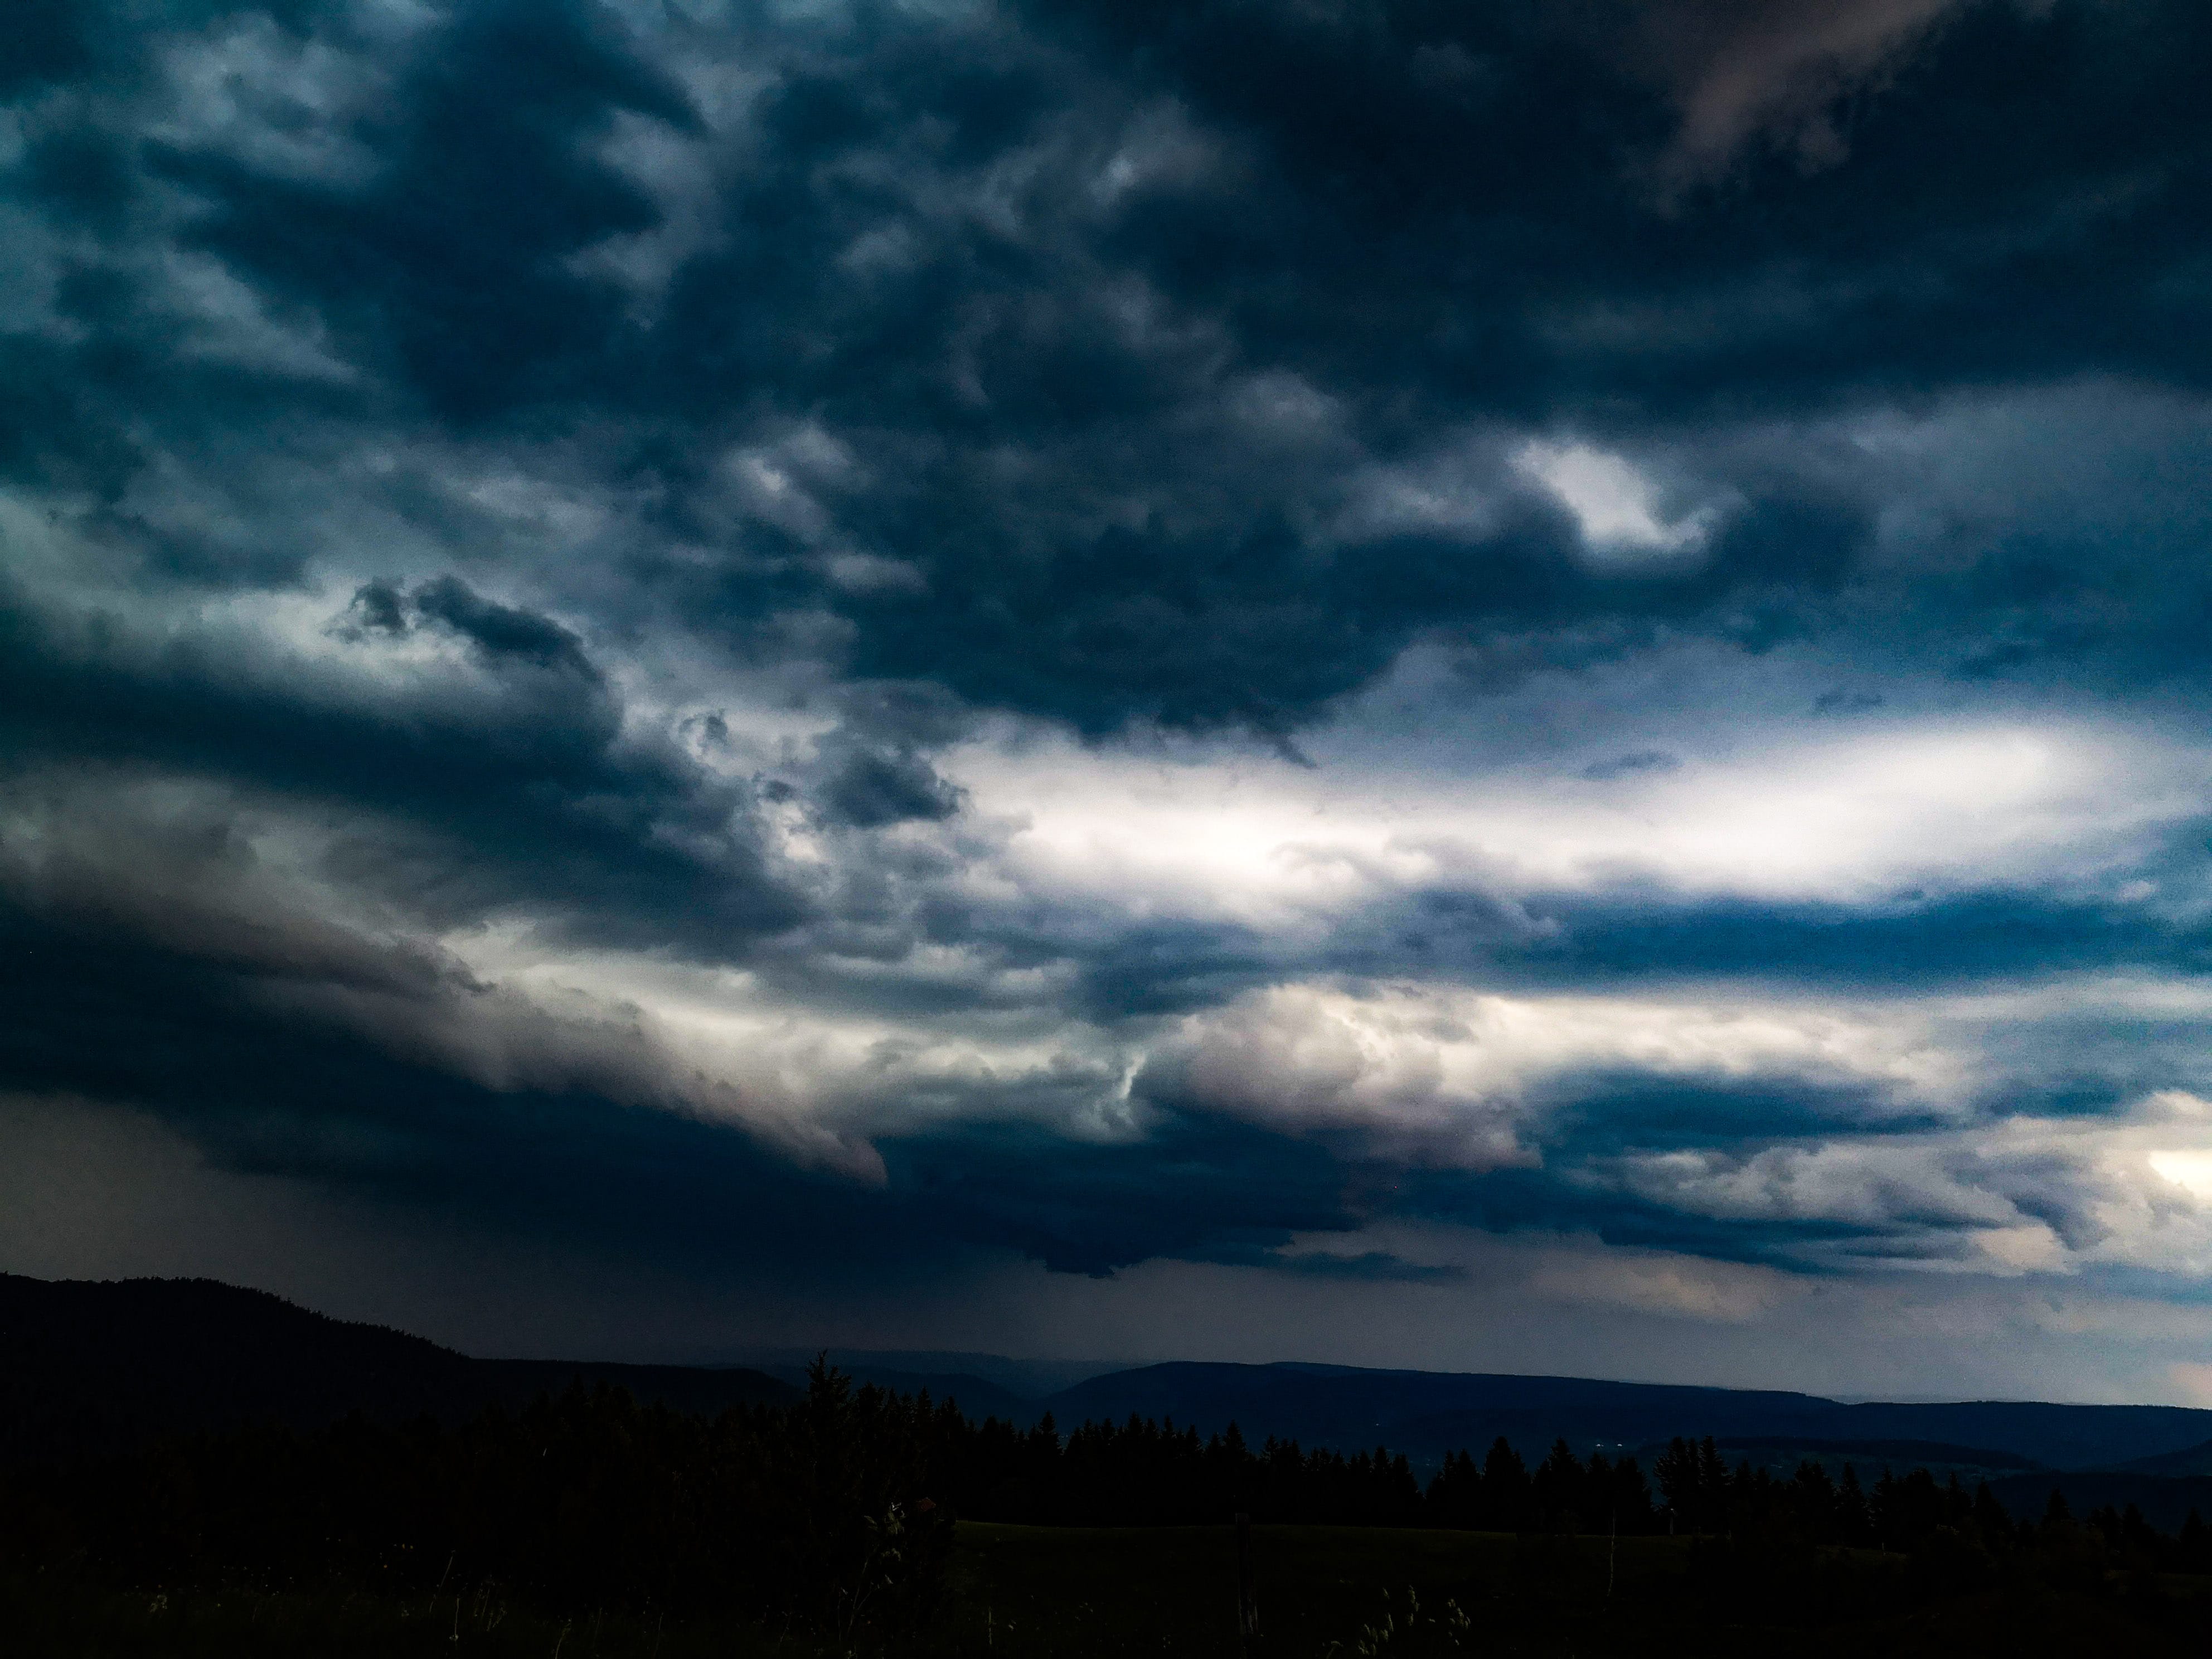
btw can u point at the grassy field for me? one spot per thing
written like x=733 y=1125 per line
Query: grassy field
x=1172 y=1590
x=1028 y=1593
x=1025 y=1593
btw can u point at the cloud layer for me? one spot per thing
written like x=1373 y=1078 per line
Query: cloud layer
x=826 y=646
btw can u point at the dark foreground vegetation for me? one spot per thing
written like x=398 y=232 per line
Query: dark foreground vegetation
x=864 y=1521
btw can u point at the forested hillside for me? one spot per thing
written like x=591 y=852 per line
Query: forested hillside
x=92 y=1367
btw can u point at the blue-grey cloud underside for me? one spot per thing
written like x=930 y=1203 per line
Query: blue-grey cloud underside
x=834 y=642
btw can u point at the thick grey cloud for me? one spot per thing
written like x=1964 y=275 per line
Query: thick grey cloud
x=833 y=644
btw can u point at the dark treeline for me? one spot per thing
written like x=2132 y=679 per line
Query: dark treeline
x=836 y=1513
x=1141 y=1472
x=816 y=1514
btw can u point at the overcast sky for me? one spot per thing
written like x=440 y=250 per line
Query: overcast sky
x=1499 y=686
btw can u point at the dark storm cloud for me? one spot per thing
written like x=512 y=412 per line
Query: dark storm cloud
x=378 y=607
x=1622 y=766
x=286 y=1046
x=870 y=789
x=1429 y=216
x=1519 y=1201
x=1493 y=200
x=272 y=1085
x=1909 y=944
x=1427 y=249
x=257 y=1047
x=1598 y=1114
x=1117 y=367
x=1196 y=1187
x=502 y=630
x=47 y=44
x=1174 y=968
x=501 y=789
x=449 y=257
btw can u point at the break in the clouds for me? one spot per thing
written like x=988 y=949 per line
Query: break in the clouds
x=1542 y=661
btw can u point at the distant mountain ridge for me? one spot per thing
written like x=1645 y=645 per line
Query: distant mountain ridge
x=90 y=1366
x=2189 y=1461
x=1426 y=1413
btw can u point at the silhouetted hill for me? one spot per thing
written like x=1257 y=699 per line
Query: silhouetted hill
x=93 y=1367
x=1423 y=1414
x=1017 y=1380
x=2189 y=1461
x=1427 y=1413
x=2063 y=1437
